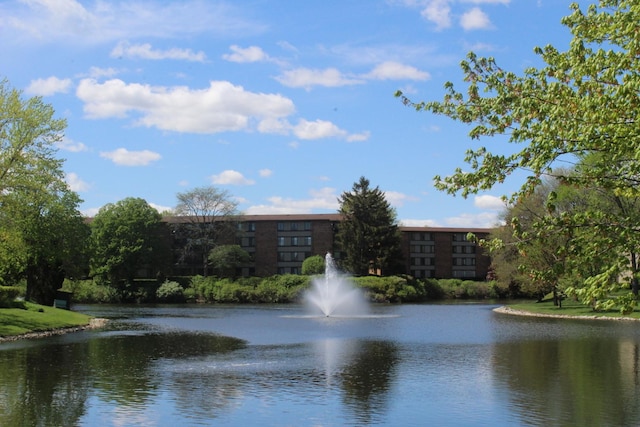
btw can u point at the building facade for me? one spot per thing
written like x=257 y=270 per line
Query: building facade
x=278 y=244
x=444 y=253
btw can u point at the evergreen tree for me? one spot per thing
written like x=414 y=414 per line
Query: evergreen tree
x=368 y=234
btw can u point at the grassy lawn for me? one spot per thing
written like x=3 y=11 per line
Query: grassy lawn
x=34 y=318
x=569 y=308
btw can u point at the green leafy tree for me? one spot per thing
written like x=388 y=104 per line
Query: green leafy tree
x=57 y=237
x=42 y=232
x=368 y=234
x=582 y=101
x=226 y=259
x=127 y=236
x=313 y=265
x=529 y=256
x=208 y=219
x=28 y=133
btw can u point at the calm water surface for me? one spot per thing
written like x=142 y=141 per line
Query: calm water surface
x=408 y=365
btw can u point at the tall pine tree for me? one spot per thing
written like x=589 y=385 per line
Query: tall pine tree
x=368 y=235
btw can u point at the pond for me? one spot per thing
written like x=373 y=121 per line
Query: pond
x=404 y=365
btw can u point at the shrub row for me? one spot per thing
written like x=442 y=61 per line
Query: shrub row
x=278 y=289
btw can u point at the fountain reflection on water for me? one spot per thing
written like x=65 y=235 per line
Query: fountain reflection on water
x=334 y=295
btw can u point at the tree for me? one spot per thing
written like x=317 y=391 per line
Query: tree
x=530 y=257
x=28 y=133
x=57 y=237
x=127 y=236
x=313 y=265
x=368 y=234
x=225 y=259
x=209 y=218
x=584 y=100
x=42 y=233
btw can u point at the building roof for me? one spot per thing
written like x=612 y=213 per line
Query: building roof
x=329 y=217
x=446 y=229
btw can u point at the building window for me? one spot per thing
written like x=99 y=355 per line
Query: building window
x=281 y=226
x=248 y=242
x=307 y=241
x=295 y=256
x=294 y=241
x=293 y=226
x=307 y=225
x=464 y=261
x=247 y=226
x=281 y=241
x=460 y=237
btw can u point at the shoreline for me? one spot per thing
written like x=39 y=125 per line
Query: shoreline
x=515 y=312
x=94 y=323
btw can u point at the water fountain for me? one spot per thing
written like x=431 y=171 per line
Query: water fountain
x=334 y=295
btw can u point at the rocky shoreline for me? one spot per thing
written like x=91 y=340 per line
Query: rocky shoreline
x=94 y=323
x=515 y=312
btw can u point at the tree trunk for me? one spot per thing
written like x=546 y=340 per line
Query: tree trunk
x=42 y=283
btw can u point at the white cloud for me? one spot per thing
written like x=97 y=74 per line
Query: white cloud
x=325 y=199
x=395 y=198
x=231 y=177
x=265 y=173
x=438 y=12
x=145 y=51
x=358 y=137
x=475 y=19
x=489 y=203
x=50 y=21
x=48 y=86
x=67 y=144
x=160 y=208
x=492 y=207
x=317 y=129
x=249 y=54
x=307 y=78
x=75 y=183
x=274 y=125
x=97 y=72
x=391 y=70
x=479 y=220
x=124 y=157
x=220 y=107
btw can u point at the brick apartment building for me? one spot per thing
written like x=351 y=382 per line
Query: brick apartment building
x=278 y=244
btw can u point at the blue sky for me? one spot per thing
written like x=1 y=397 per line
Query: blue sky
x=283 y=103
